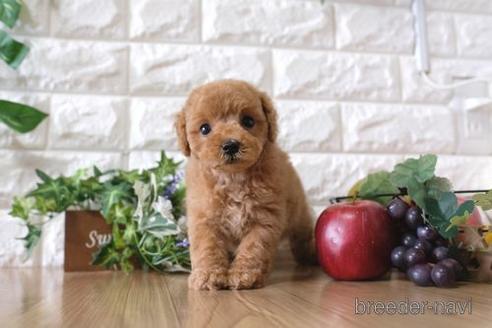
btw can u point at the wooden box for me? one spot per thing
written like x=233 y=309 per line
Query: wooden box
x=85 y=232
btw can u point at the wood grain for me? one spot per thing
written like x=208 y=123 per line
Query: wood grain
x=294 y=297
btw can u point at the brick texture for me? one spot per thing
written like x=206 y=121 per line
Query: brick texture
x=113 y=74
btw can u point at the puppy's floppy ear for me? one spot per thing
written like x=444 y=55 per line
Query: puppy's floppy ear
x=271 y=116
x=180 y=125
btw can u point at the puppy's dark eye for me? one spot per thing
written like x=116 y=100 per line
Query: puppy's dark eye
x=248 y=122
x=205 y=129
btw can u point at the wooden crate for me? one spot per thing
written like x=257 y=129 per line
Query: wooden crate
x=85 y=232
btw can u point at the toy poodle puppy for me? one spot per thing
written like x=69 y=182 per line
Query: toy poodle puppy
x=243 y=194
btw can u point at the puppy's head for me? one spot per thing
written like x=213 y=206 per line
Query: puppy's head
x=226 y=124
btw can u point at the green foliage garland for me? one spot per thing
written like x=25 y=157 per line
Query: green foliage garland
x=145 y=209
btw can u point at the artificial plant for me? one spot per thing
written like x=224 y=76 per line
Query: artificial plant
x=415 y=178
x=144 y=208
x=19 y=117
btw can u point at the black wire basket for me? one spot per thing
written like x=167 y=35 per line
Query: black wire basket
x=403 y=192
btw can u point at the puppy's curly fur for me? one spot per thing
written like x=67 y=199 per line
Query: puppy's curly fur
x=238 y=205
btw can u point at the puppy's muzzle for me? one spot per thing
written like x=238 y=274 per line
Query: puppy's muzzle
x=231 y=147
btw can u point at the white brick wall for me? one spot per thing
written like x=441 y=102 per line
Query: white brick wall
x=112 y=74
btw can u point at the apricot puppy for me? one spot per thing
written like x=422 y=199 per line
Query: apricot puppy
x=243 y=195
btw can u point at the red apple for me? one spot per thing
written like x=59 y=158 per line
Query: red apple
x=354 y=240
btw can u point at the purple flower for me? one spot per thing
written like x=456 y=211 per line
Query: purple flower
x=173 y=185
x=184 y=243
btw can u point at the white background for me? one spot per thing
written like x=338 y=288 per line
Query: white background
x=113 y=73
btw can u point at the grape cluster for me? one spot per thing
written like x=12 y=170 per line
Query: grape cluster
x=423 y=253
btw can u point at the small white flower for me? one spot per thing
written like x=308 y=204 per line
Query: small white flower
x=182 y=224
x=164 y=207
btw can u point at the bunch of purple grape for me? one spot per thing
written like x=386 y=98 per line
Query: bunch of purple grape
x=423 y=253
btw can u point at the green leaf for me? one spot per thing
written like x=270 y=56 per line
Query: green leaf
x=106 y=256
x=375 y=184
x=97 y=171
x=119 y=243
x=458 y=220
x=444 y=211
x=158 y=226
x=420 y=170
x=417 y=192
x=448 y=203
x=466 y=207
x=51 y=188
x=440 y=223
x=130 y=233
x=21 y=207
x=437 y=185
x=56 y=191
x=437 y=219
x=121 y=213
x=113 y=194
x=126 y=260
x=484 y=200
x=43 y=176
x=21 y=118
x=165 y=166
x=433 y=209
x=413 y=174
x=9 y=11
x=460 y=216
x=426 y=166
x=12 y=51
x=32 y=238
x=129 y=176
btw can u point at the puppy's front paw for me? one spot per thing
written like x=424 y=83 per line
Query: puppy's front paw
x=207 y=279
x=246 y=279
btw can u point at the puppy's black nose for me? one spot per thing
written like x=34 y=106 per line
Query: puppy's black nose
x=230 y=147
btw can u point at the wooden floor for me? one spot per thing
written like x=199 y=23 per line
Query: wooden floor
x=294 y=297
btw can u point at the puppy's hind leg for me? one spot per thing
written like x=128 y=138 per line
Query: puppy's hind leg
x=301 y=238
